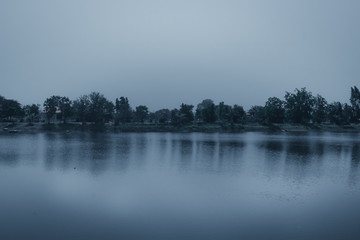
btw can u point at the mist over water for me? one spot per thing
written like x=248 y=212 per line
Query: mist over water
x=179 y=186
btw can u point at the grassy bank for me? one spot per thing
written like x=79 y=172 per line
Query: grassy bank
x=137 y=127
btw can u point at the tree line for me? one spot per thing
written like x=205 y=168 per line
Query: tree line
x=299 y=106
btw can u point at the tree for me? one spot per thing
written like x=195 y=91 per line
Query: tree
x=223 y=112
x=100 y=109
x=2 y=99
x=162 y=116
x=31 y=112
x=355 y=103
x=257 y=114
x=11 y=108
x=81 y=108
x=50 y=106
x=182 y=116
x=205 y=111
x=274 y=110
x=298 y=106
x=141 y=113
x=109 y=111
x=122 y=110
x=186 y=113
x=319 y=110
x=65 y=108
x=335 y=113
x=238 y=114
x=175 y=117
x=347 y=113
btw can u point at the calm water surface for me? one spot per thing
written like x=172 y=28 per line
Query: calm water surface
x=180 y=186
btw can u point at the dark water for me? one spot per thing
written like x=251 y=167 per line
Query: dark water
x=180 y=186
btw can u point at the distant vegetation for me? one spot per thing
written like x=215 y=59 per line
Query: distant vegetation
x=299 y=106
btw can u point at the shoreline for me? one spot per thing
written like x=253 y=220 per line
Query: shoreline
x=21 y=127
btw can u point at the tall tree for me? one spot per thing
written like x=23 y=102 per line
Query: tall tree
x=141 y=112
x=205 y=111
x=122 y=110
x=186 y=113
x=355 y=103
x=238 y=114
x=100 y=109
x=81 y=108
x=2 y=99
x=175 y=117
x=257 y=114
x=223 y=112
x=11 y=108
x=319 y=109
x=50 y=106
x=274 y=110
x=335 y=113
x=31 y=112
x=65 y=108
x=162 y=116
x=347 y=113
x=298 y=106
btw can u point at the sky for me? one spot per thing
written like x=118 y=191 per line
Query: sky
x=162 y=53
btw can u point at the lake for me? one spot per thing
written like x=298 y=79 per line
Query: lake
x=85 y=185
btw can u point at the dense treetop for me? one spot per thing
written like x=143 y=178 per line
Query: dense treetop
x=299 y=106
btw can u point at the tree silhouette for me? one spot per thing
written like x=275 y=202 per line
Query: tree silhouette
x=299 y=105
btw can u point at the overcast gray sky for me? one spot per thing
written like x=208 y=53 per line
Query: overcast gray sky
x=164 y=52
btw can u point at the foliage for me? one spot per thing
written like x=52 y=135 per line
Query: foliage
x=175 y=117
x=81 y=108
x=355 y=103
x=335 y=113
x=50 y=106
x=31 y=112
x=141 y=113
x=256 y=114
x=186 y=113
x=205 y=111
x=298 y=106
x=238 y=114
x=162 y=116
x=347 y=113
x=122 y=110
x=100 y=109
x=274 y=110
x=65 y=107
x=223 y=112
x=319 y=109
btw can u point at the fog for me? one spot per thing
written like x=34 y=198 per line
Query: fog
x=162 y=53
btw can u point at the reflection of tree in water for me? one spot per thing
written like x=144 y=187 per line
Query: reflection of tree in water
x=186 y=151
x=101 y=144
x=298 y=156
x=355 y=160
x=13 y=148
x=319 y=148
x=50 y=150
x=66 y=149
x=162 y=147
x=273 y=146
x=141 y=142
x=77 y=151
x=123 y=145
x=205 y=153
x=230 y=155
x=9 y=155
x=273 y=150
x=298 y=152
x=182 y=152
